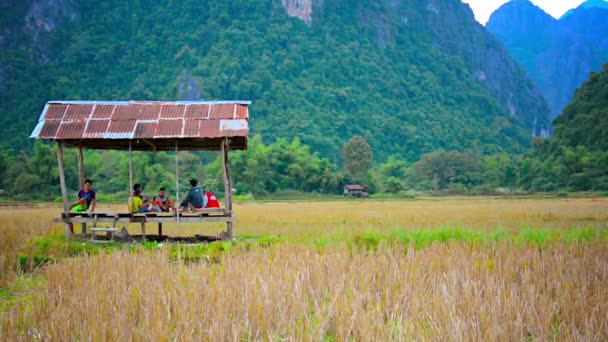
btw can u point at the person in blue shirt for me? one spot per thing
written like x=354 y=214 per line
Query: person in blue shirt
x=195 y=199
x=86 y=198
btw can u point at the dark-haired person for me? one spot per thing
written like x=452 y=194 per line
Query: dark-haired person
x=144 y=199
x=86 y=198
x=162 y=202
x=135 y=203
x=195 y=199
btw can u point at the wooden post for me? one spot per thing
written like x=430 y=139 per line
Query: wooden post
x=227 y=186
x=143 y=230
x=69 y=228
x=177 y=200
x=130 y=168
x=83 y=226
x=80 y=168
x=160 y=229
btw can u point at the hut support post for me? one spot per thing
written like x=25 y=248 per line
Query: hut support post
x=227 y=186
x=177 y=200
x=83 y=226
x=68 y=228
x=130 y=167
x=80 y=168
x=143 y=230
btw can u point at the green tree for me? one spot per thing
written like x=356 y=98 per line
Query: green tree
x=445 y=169
x=358 y=159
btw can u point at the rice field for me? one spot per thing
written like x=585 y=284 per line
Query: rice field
x=429 y=269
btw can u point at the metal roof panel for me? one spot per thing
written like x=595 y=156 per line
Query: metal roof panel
x=103 y=111
x=172 y=111
x=122 y=113
x=197 y=111
x=49 y=129
x=209 y=129
x=77 y=112
x=242 y=112
x=234 y=126
x=125 y=126
x=145 y=129
x=192 y=128
x=148 y=112
x=55 y=112
x=71 y=130
x=222 y=111
x=96 y=128
x=169 y=128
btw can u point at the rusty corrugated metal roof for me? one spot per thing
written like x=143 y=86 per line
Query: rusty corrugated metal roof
x=145 y=125
x=354 y=187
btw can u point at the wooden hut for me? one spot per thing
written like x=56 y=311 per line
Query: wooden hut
x=355 y=190
x=145 y=126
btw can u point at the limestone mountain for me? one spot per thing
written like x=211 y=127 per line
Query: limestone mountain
x=410 y=76
x=559 y=54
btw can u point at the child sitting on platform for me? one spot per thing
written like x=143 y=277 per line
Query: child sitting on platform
x=162 y=202
x=86 y=198
x=136 y=205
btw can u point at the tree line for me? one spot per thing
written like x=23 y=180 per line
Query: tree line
x=267 y=168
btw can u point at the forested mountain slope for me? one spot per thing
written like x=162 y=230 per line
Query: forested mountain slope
x=410 y=76
x=576 y=157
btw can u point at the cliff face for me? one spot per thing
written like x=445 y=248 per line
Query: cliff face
x=33 y=25
x=455 y=32
x=449 y=26
x=188 y=88
x=303 y=9
x=557 y=54
x=299 y=8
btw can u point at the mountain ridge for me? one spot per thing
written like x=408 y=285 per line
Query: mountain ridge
x=546 y=46
x=407 y=80
x=587 y=4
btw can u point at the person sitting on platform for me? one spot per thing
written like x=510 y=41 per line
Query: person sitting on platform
x=212 y=201
x=144 y=199
x=136 y=205
x=162 y=202
x=195 y=199
x=86 y=198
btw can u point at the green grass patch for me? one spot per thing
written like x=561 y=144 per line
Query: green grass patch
x=20 y=291
x=370 y=241
x=423 y=238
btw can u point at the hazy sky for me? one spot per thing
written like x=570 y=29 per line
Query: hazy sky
x=484 y=8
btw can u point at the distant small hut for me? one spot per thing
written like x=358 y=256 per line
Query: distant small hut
x=355 y=190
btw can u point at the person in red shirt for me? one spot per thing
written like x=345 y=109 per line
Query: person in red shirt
x=212 y=201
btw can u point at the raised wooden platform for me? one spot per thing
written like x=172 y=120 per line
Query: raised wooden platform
x=114 y=218
x=205 y=215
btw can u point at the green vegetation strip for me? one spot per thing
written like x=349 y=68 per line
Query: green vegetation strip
x=52 y=247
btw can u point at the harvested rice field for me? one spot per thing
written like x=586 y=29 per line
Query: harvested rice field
x=424 y=269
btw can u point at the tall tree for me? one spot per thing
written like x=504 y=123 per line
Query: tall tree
x=358 y=159
x=446 y=168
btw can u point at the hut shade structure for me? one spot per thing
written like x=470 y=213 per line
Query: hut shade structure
x=145 y=126
x=355 y=190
